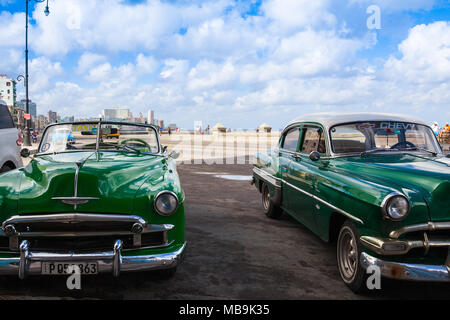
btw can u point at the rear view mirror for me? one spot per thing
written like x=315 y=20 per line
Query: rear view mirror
x=314 y=156
x=25 y=153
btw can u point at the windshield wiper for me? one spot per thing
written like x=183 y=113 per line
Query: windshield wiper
x=121 y=146
x=420 y=149
x=365 y=153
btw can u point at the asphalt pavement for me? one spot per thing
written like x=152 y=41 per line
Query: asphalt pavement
x=234 y=252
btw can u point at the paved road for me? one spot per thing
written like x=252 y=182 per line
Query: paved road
x=234 y=252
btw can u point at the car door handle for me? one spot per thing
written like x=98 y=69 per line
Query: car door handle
x=296 y=157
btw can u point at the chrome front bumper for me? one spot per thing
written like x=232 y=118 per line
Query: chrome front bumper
x=30 y=263
x=403 y=271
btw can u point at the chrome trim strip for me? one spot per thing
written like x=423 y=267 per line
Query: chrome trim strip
x=74 y=217
x=377 y=245
x=430 y=226
x=31 y=263
x=166 y=244
x=348 y=215
x=147 y=229
x=275 y=181
x=403 y=271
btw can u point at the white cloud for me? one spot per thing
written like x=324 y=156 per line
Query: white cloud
x=425 y=55
x=398 y=5
x=146 y=65
x=12 y=29
x=209 y=60
x=42 y=72
x=288 y=14
x=174 y=69
x=88 y=60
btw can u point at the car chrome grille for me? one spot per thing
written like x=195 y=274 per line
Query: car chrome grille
x=81 y=232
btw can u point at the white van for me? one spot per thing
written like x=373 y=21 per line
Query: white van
x=10 y=141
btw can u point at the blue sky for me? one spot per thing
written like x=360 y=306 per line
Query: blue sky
x=232 y=61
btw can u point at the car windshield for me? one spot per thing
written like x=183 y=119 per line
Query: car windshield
x=374 y=136
x=113 y=136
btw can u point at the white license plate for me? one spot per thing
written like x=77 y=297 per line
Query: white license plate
x=60 y=268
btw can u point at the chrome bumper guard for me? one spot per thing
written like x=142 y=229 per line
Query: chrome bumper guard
x=30 y=263
x=403 y=271
x=400 y=247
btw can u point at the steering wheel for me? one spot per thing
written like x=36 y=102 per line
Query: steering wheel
x=404 y=144
x=137 y=140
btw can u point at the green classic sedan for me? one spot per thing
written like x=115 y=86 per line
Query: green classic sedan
x=378 y=184
x=104 y=207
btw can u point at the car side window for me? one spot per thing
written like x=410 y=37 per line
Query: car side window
x=6 y=121
x=290 y=141
x=314 y=140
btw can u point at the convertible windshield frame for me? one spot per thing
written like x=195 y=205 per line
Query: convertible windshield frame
x=99 y=125
x=381 y=151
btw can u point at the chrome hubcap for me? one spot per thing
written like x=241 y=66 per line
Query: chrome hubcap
x=348 y=255
x=266 y=198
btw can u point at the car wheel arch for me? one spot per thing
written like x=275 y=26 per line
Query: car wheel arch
x=8 y=165
x=335 y=223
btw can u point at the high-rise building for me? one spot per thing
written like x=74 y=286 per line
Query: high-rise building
x=52 y=116
x=8 y=90
x=151 y=117
x=31 y=105
x=116 y=114
x=161 y=124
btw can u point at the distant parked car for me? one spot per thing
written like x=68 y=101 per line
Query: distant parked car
x=10 y=142
x=377 y=184
x=110 y=133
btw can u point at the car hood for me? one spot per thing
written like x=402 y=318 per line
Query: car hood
x=430 y=176
x=112 y=178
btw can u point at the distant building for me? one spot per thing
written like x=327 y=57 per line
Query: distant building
x=151 y=117
x=52 y=117
x=161 y=124
x=219 y=128
x=31 y=104
x=68 y=119
x=265 y=128
x=8 y=90
x=116 y=114
x=42 y=122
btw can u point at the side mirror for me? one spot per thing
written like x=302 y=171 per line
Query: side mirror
x=25 y=153
x=174 y=155
x=314 y=156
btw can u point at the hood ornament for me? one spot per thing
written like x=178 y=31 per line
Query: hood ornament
x=75 y=201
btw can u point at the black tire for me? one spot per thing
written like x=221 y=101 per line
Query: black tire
x=6 y=168
x=270 y=209
x=349 y=251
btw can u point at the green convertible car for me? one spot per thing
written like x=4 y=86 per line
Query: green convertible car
x=378 y=184
x=101 y=206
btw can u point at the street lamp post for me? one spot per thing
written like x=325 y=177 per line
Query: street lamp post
x=27 y=140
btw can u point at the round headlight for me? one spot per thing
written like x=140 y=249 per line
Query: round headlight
x=166 y=203
x=396 y=207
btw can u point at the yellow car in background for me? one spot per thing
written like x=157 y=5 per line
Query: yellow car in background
x=110 y=133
